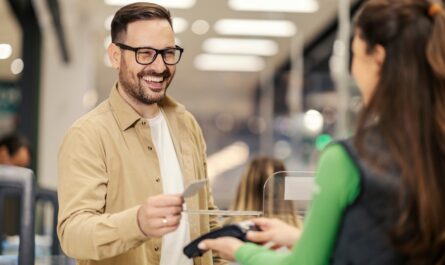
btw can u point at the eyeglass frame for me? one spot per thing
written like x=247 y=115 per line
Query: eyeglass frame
x=162 y=51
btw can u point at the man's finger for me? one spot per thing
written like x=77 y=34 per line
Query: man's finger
x=168 y=229
x=165 y=211
x=165 y=200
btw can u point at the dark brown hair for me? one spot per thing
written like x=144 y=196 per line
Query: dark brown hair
x=409 y=107
x=135 y=12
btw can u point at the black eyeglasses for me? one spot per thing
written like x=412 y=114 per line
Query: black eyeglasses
x=147 y=55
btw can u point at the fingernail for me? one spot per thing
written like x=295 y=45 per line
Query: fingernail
x=202 y=245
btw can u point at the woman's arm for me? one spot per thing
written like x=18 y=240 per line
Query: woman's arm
x=337 y=186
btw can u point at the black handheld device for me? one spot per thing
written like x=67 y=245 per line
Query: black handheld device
x=238 y=230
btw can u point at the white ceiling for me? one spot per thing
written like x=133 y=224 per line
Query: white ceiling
x=204 y=93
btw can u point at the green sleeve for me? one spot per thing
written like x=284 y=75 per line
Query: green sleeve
x=337 y=186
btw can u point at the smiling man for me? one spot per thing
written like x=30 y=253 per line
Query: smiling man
x=123 y=166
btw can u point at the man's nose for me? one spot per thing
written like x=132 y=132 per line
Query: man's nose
x=158 y=64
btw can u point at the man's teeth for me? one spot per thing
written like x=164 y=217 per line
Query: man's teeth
x=153 y=78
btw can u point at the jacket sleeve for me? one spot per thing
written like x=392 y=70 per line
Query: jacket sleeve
x=84 y=229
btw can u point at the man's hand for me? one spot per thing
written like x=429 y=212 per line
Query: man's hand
x=225 y=246
x=275 y=231
x=160 y=215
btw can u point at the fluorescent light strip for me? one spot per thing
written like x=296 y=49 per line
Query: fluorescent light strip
x=248 y=27
x=180 y=4
x=261 y=47
x=291 y=6
x=227 y=158
x=231 y=63
x=179 y=24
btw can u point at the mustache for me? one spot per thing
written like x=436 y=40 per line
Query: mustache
x=164 y=74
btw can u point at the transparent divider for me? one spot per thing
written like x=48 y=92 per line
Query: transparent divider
x=287 y=195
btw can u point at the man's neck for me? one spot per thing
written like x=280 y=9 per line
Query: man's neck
x=147 y=111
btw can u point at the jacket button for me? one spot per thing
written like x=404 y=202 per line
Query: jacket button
x=143 y=122
x=158 y=179
x=156 y=248
x=150 y=148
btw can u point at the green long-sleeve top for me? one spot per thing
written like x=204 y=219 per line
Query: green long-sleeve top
x=338 y=184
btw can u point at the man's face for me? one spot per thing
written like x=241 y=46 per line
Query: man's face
x=146 y=84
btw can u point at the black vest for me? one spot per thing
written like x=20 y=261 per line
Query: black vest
x=363 y=237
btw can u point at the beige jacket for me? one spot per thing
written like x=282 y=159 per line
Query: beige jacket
x=107 y=167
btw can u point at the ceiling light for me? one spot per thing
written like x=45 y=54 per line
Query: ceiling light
x=5 y=51
x=313 y=122
x=179 y=24
x=233 y=63
x=181 y=4
x=300 y=6
x=200 y=27
x=17 y=66
x=240 y=46
x=271 y=28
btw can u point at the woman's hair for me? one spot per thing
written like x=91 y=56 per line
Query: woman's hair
x=135 y=12
x=252 y=187
x=409 y=107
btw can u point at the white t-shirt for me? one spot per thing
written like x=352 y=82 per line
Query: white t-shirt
x=172 y=183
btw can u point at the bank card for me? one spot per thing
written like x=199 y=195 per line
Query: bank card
x=193 y=188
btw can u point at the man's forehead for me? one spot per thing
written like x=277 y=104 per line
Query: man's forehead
x=145 y=32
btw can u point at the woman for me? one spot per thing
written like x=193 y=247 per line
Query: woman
x=381 y=198
x=250 y=195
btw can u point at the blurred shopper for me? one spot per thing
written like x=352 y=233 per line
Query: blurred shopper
x=15 y=150
x=250 y=192
x=381 y=197
x=123 y=166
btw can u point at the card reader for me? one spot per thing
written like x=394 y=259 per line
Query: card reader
x=237 y=230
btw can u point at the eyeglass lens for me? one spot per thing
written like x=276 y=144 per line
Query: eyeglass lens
x=146 y=56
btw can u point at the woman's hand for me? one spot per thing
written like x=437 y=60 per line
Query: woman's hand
x=275 y=231
x=225 y=246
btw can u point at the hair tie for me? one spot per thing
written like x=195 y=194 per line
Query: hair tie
x=434 y=9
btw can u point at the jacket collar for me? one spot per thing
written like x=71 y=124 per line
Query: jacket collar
x=127 y=117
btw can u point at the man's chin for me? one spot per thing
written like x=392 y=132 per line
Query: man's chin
x=152 y=99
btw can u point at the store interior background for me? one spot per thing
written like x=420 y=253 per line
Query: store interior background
x=282 y=92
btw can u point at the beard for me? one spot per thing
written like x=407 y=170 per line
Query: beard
x=139 y=91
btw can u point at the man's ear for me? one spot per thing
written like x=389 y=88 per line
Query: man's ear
x=114 y=55
x=379 y=54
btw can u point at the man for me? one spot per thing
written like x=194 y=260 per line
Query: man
x=124 y=165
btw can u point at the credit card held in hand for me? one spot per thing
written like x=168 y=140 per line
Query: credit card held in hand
x=194 y=188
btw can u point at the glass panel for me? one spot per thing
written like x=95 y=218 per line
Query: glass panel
x=287 y=195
